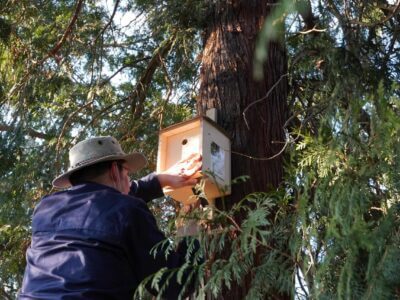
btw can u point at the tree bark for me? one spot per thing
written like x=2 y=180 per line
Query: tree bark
x=227 y=84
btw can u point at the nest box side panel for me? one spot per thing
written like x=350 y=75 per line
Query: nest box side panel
x=218 y=158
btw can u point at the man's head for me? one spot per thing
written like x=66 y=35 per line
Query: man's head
x=100 y=159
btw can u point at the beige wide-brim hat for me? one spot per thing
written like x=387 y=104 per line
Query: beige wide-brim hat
x=95 y=150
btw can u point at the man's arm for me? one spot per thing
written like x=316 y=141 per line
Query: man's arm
x=146 y=188
x=179 y=175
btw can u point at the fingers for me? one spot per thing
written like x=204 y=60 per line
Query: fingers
x=192 y=171
x=190 y=181
x=181 y=174
x=190 y=165
x=185 y=182
x=192 y=159
x=193 y=156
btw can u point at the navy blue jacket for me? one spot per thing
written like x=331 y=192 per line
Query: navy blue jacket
x=92 y=242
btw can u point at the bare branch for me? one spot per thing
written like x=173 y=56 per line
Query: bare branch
x=312 y=30
x=262 y=99
x=139 y=93
x=100 y=113
x=266 y=158
x=108 y=23
x=123 y=68
x=300 y=280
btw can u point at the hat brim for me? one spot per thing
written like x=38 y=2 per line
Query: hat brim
x=134 y=162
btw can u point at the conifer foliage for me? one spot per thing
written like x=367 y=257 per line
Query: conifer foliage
x=330 y=230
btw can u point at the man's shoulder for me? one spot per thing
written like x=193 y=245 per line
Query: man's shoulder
x=84 y=206
x=91 y=195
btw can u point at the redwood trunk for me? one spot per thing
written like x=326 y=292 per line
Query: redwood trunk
x=227 y=84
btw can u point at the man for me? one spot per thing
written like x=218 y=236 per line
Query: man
x=93 y=241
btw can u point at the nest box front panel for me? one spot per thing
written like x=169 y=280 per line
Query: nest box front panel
x=181 y=145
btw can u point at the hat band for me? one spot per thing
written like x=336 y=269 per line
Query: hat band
x=94 y=158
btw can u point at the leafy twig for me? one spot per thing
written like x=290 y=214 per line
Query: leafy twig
x=237 y=227
x=67 y=32
x=108 y=23
x=53 y=51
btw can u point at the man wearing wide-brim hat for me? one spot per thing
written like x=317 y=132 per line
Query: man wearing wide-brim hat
x=93 y=240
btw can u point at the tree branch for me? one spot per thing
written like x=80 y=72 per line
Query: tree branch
x=108 y=23
x=101 y=112
x=122 y=68
x=67 y=32
x=307 y=16
x=312 y=30
x=261 y=243
x=5 y=294
x=169 y=93
x=138 y=96
x=337 y=14
x=53 y=51
x=300 y=280
x=262 y=99
x=65 y=126
x=30 y=132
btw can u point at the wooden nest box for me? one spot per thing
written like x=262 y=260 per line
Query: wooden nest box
x=199 y=135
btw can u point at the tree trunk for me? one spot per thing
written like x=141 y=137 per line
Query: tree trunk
x=227 y=84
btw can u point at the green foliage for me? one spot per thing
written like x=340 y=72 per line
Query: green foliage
x=338 y=208
x=49 y=101
x=344 y=169
x=5 y=30
x=232 y=250
x=273 y=30
x=14 y=241
x=348 y=206
x=342 y=166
